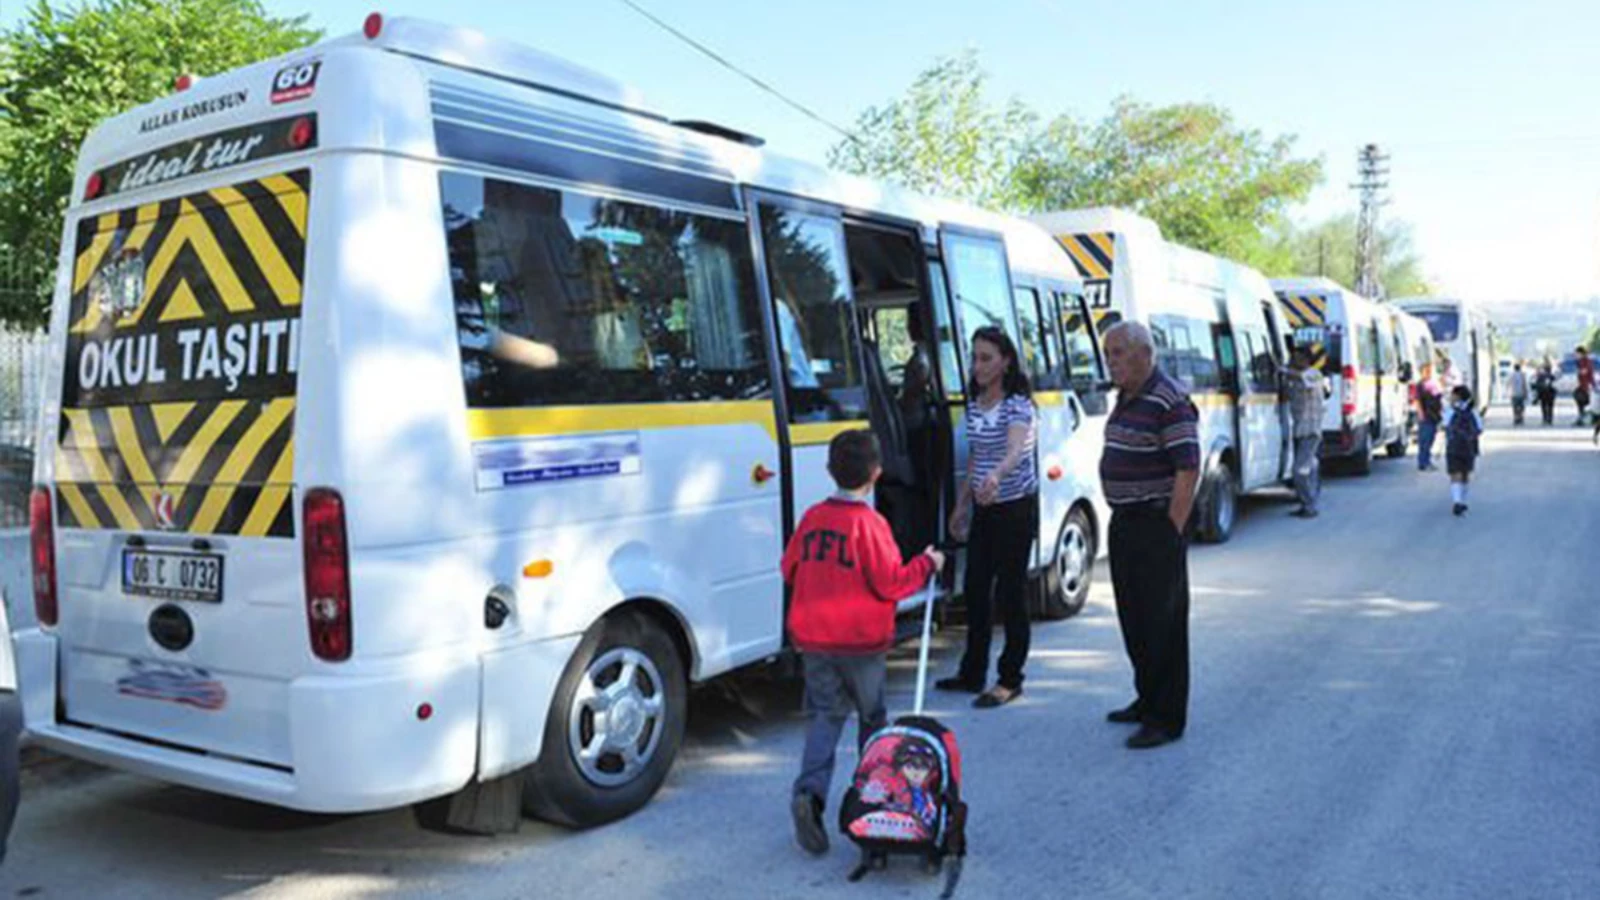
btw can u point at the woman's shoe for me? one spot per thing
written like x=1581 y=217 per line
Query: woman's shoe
x=957 y=684
x=996 y=696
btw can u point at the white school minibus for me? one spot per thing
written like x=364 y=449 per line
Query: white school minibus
x=1463 y=335
x=429 y=411
x=1217 y=329
x=1355 y=342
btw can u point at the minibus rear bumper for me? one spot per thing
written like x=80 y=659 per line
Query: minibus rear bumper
x=360 y=737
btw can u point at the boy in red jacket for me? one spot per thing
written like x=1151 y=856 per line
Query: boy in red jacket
x=847 y=575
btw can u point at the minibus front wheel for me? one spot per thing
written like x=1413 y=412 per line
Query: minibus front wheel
x=615 y=725
x=1064 y=583
x=1218 y=506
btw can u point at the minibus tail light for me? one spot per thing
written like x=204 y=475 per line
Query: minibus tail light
x=327 y=574
x=373 y=26
x=301 y=133
x=184 y=82
x=1347 y=392
x=95 y=185
x=41 y=525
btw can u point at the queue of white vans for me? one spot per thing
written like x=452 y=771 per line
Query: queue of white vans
x=399 y=450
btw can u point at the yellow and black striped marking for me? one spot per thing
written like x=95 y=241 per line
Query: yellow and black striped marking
x=1307 y=314
x=1093 y=254
x=179 y=391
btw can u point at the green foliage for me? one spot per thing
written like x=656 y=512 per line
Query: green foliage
x=1329 y=248
x=943 y=138
x=1205 y=180
x=63 y=72
x=1209 y=183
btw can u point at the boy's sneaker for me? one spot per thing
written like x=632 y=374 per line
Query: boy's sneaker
x=1458 y=509
x=808 y=831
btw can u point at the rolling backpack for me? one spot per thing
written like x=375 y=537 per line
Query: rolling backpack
x=905 y=796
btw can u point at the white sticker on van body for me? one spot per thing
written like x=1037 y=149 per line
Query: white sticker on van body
x=520 y=462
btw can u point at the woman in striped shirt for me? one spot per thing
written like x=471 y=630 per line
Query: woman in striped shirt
x=998 y=510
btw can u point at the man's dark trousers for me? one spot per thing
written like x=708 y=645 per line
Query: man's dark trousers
x=1150 y=575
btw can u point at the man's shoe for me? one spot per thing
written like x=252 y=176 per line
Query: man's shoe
x=1304 y=513
x=1458 y=509
x=1128 y=715
x=1149 y=736
x=957 y=684
x=808 y=831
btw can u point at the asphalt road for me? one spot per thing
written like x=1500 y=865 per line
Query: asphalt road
x=1388 y=702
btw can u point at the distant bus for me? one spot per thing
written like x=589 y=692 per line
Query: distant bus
x=1464 y=336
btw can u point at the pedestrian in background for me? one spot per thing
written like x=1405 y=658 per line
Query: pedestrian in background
x=1519 y=392
x=1430 y=412
x=1462 y=426
x=998 y=511
x=1149 y=471
x=1544 y=390
x=1585 y=388
x=1308 y=393
x=847 y=575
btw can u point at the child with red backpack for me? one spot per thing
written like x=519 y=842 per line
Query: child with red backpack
x=1462 y=426
x=847 y=575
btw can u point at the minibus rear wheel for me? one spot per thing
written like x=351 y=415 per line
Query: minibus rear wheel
x=615 y=725
x=1361 y=460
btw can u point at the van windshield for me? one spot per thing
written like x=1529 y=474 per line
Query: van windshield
x=1444 y=323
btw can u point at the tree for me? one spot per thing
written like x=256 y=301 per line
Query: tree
x=1329 y=248
x=63 y=72
x=943 y=138
x=1208 y=183
x=1205 y=180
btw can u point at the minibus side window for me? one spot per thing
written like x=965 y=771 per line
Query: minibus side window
x=567 y=299
x=1082 y=363
x=817 y=333
x=1367 y=348
x=1034 y=360
x=949 y=352
x=982 y=283
x=1185 y=350
x=1057 y=372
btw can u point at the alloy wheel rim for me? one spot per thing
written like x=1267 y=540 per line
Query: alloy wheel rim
x=617 y=717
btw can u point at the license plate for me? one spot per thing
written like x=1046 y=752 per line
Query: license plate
x=172 y=575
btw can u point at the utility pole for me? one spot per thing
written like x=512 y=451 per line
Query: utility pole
x=1373 y=168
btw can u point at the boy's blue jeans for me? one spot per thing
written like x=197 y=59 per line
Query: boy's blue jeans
x=836 y=686
x=1426 y=431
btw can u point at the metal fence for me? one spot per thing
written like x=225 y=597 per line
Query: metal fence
x=22 y=361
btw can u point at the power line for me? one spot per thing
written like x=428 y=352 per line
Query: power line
x=725 y=63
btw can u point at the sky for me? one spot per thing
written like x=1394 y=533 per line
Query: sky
x=1485 y=107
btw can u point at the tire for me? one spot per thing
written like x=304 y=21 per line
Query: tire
x=581 y=791
x=1219 y=508
x=1397 y=450
x=1064 y=586
x=1361 y=460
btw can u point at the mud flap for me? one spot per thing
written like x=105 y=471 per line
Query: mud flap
x=482 y=807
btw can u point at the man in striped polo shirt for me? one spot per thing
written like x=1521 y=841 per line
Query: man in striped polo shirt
x=1149 y=471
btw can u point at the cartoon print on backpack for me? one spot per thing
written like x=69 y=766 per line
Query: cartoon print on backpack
x=900 y=777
